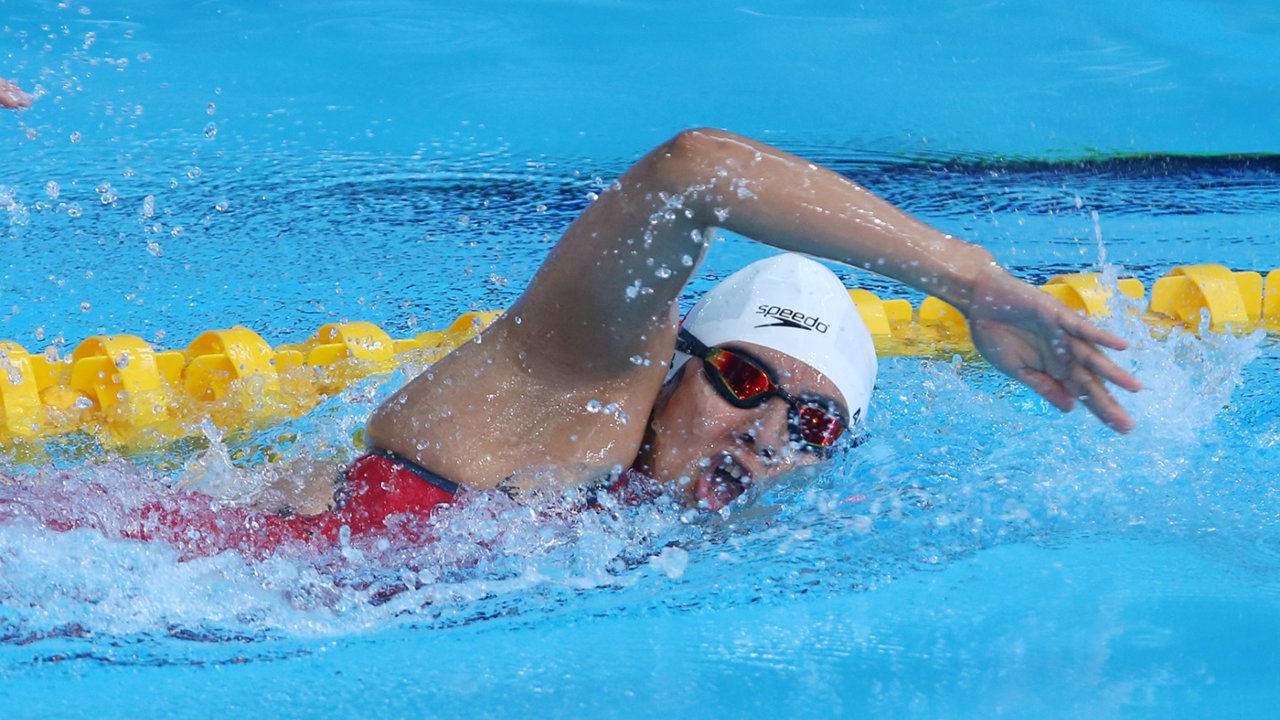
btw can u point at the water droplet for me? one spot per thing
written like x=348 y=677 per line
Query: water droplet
x=594 y=406
x=155 y=249
x=211 y=131
x=211 y=109
x=85 y=306
x=194 y=172
x=686 y=260
x=52 y=189
x=106 y=194
x=74 y=210
x=663 y=272
x=75 y=136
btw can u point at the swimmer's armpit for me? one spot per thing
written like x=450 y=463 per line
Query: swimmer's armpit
x=11 y=96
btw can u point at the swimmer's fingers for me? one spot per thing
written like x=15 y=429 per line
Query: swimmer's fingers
x=1101 y=365
x=1084 y=383
x=1079 y=327
x=1048 y=388
x=1089 y=387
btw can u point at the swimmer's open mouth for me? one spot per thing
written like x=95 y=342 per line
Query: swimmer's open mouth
x=727 y=480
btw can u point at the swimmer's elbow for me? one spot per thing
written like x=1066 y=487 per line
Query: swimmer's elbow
x=692 y=158
x=693 y=148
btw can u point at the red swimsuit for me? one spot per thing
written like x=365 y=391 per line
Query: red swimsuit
x=376 y=486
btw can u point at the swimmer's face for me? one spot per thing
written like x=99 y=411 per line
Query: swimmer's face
x=712 y=451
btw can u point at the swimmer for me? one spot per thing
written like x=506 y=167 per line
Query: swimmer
x=592 y=375
x=12 y=97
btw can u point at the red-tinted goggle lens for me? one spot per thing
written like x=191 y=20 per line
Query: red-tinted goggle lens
x=816 y=426
x=749 y=385
x=748 y=382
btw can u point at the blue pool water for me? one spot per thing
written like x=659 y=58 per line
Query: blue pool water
x=194 y=165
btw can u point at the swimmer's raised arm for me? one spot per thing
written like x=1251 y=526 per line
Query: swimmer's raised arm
x=609 y=289
x=11 y=96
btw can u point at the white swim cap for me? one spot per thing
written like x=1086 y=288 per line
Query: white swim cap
x=796 y=306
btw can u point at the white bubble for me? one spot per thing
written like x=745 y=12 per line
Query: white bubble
x=672 y=561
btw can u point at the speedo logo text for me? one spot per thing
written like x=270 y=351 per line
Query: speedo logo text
x=786 y=317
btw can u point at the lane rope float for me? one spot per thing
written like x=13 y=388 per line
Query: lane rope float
x=130 y=396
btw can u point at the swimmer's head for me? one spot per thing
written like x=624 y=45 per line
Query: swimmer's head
x=798 y=307
x=722 y=427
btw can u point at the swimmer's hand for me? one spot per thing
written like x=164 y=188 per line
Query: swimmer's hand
x=12 y=97
x=1032 y=337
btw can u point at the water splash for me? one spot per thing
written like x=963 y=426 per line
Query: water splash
x=492 y=556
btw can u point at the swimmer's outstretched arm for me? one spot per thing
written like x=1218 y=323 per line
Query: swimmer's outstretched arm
x=12 y=97
x=610 y=287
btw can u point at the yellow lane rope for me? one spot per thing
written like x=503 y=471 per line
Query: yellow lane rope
x=130 y=396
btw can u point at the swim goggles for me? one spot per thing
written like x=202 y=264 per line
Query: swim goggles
x=746 y=382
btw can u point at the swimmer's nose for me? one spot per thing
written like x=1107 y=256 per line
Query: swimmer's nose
x=766 y=434
x=748 y=439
